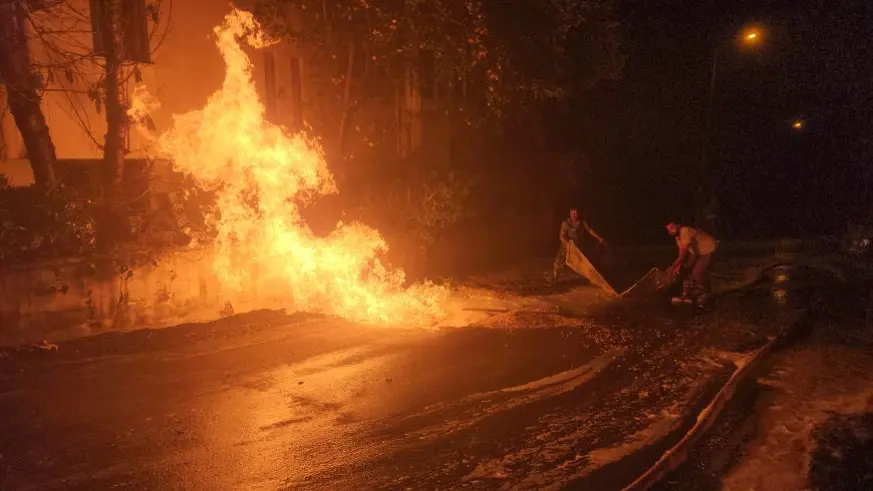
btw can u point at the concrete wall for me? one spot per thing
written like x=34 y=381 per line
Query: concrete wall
x=60 y=300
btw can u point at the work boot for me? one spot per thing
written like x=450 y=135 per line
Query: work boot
x=699 y=295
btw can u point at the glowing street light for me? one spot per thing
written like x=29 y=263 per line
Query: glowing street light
x=752 y=36
x=797 y=125
x=749 y=37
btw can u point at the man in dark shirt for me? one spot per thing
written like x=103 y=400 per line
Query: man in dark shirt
x=570 y=229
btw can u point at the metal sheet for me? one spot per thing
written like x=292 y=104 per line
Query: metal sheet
x=648 y=285
x=652 y=282
x=581 y=265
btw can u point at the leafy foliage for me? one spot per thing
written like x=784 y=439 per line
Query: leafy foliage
x=35 y=225
x=185 y=212
x=433 y=204
x=504 y=55
x=422 y=208
x=492 y=61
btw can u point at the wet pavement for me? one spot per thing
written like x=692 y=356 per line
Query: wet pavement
x=803 y=418
x=274 y=401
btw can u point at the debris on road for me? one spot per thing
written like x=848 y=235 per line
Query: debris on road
x=819 y=399
x=45 y=346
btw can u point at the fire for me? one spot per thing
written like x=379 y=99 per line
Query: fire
x=262 y=174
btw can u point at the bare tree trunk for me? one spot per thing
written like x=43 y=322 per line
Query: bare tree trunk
x=117 y=123
x=24 y=100
x=347 y=91
x=349 y=108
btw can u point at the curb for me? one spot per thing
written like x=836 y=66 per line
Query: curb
x=679 y=453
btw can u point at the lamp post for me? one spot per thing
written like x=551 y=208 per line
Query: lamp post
x=707 y=203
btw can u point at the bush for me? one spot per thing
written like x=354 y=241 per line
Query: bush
x=36 y=226
x=422 y=207
x=64 y=223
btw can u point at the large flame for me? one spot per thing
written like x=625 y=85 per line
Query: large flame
x=262 y=173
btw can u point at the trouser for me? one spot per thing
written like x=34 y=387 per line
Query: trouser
x=700 y=266
x=560 y=257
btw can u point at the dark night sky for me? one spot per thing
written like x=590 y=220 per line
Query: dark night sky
x=646 y=130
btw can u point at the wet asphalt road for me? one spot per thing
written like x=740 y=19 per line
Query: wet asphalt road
x=272 y=401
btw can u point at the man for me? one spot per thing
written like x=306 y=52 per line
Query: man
x=695 y=251
x=570 y=233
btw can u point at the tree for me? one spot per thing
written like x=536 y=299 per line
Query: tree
x=485 y=63
x=107 y=18
x=354 y=53
x=117 y=124
x=546 y=51
x=491 y=58
x=68 y=64
x=23 y=92
x=120 y=40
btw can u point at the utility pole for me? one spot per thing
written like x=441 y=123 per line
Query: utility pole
x=706 y=197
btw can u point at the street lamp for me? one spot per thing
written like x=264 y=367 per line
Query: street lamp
x=751 y=36
x=797 y=125
x=707 y=211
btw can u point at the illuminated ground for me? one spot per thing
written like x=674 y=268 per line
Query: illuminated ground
x=806 y=421
x=269 y=401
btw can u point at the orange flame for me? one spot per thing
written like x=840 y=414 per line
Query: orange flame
x=261 y=174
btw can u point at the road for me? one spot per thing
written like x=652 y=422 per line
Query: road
x=274 y=401
x=804 y=417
